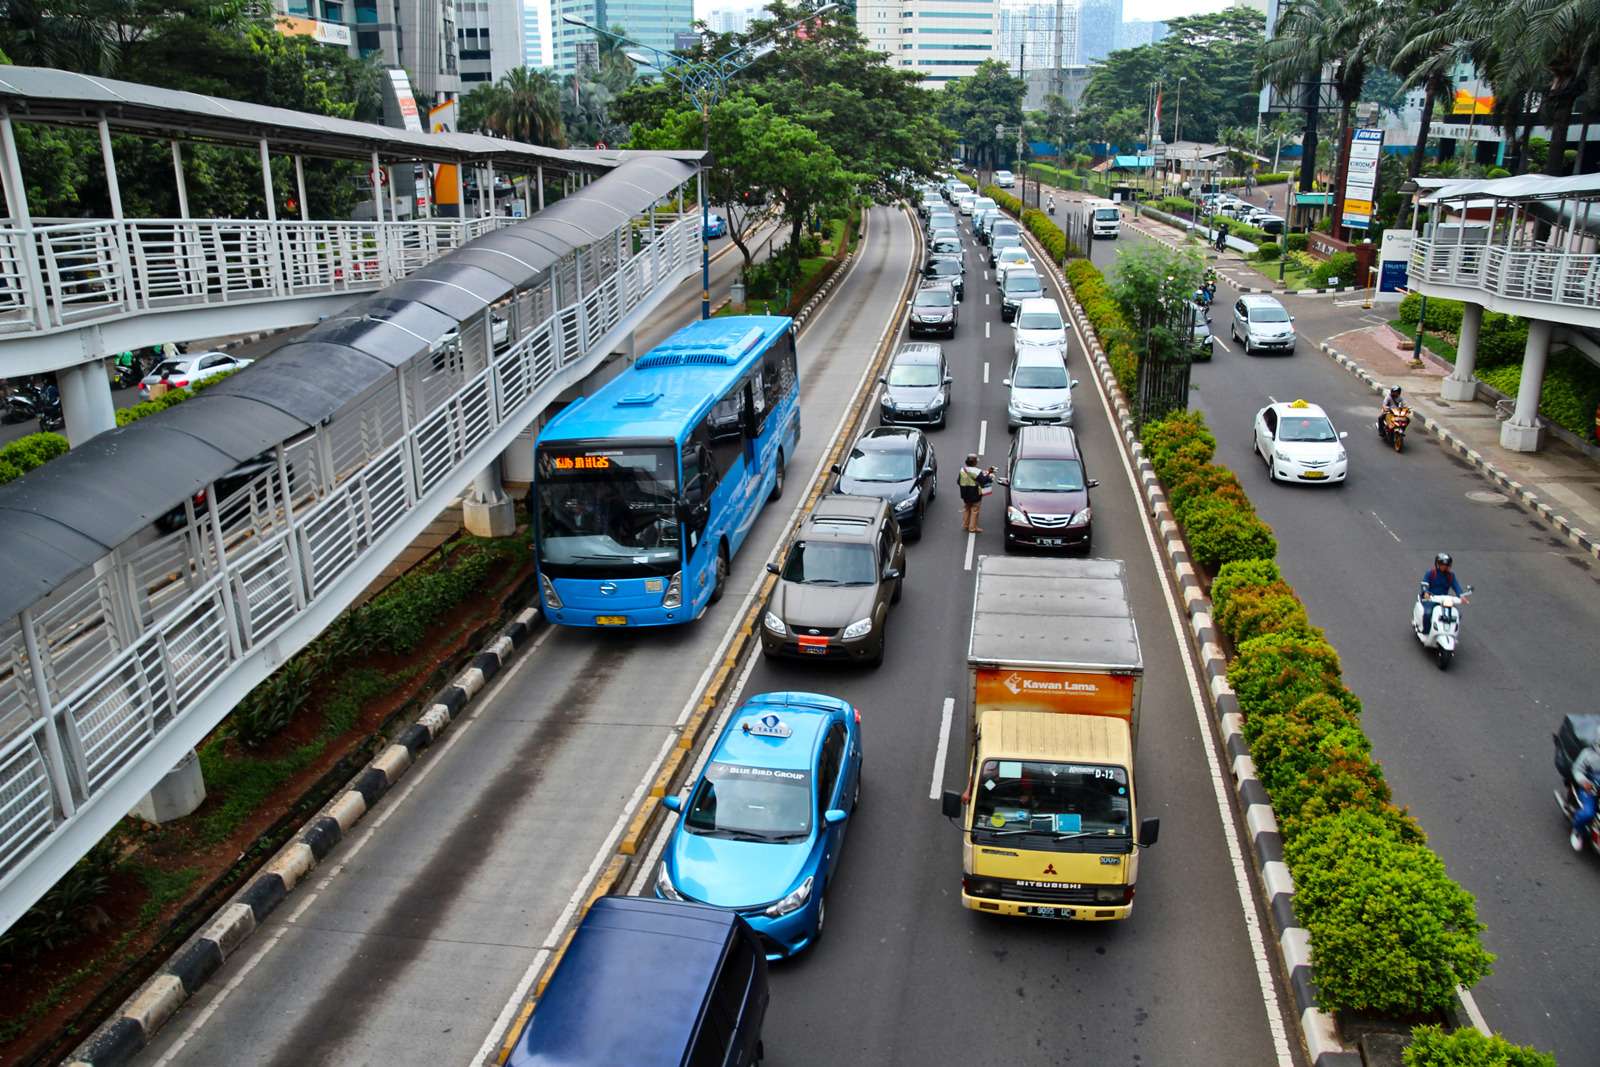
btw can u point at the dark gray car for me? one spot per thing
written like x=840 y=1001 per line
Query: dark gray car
x=897 y=464
x=840 y=573
x=917 y=388
x=949 y=269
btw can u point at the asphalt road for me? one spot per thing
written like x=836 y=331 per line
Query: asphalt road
x=906 y=975
x=406 y=947
x=1467 y=750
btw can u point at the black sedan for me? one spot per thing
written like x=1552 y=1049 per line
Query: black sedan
x=949 y=269
x=895 y=464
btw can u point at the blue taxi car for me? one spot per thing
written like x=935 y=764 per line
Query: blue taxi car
x=716 y=226
x=762 y=828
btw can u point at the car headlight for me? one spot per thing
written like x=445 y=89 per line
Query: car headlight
x=549 y=590
x=664 y=886
x=1081 y=518
x=909 y=502
x=1015 y=516
x=793 y=902
x=674 y=594
x=1342 y=455
x=775 y=624
x=1281 y=455
x=859 y=628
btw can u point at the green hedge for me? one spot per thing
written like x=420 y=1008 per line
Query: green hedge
x=25 y=453
x=168 y=399
x=1268 y=253
x=1443 y=315
x=1569 y=395
x=1390 y=931
x=1431 y=1046
x=1295 y=242
x=1340 y=265
x=1105 y=316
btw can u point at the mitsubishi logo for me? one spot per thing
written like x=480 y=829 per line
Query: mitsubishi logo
x=1050 y=868
x=1013 y=683
x=607 y=588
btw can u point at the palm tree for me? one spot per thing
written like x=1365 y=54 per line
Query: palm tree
x=1409 y=48
x=525 y=106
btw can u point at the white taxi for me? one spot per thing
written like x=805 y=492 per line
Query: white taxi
x=1298 y=443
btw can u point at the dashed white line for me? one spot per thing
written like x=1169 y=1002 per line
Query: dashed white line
x=944 y=745
x=986 y=330
x=986 y=374
x=983 y=436
x=985 y=299
x=972 y=540
x=1386 y=529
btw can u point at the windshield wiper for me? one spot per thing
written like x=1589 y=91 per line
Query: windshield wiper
x=738 y=835
x=821 y=581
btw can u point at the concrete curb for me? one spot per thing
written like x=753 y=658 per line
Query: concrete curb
x=1294 y=941
x=136 y=1022
x=1530 y=501
x=1300 y=292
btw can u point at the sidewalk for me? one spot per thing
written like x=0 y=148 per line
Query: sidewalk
x=1561 y=483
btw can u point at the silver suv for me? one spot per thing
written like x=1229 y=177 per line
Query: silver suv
x=1260 y=324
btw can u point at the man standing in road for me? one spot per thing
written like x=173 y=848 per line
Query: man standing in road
x=972 y=481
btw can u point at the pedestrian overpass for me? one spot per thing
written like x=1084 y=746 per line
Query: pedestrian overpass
x=121 y=647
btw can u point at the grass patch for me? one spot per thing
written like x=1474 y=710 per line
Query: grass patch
x=165 y=887
x=1431 y=341
x=1292 y=278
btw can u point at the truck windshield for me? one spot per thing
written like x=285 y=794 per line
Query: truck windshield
x=1014 y=798
x=607 y=511
x=1106 y=214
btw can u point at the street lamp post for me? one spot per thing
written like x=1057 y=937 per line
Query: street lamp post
x=704 y=82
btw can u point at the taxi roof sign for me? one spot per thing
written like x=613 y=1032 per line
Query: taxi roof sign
x=768 y=725
x=1299 y=404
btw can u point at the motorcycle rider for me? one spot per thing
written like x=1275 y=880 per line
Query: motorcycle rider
x=1392 y=402
x=1440 y=581
x=1051 y=203
x=1585 y=782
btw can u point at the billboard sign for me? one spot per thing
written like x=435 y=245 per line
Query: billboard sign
x=1394 y=261
x=400 y=105
x=1361 y=180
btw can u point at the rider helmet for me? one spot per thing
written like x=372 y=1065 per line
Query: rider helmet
x=1394 y=392
x=1442 y=559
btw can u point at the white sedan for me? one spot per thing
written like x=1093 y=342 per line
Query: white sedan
x=188 y=369
x=1298 y=443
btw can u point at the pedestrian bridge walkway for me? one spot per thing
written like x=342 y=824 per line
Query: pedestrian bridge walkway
x=121 y=646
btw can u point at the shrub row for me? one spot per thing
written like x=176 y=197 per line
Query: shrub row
x=1295 y=242
x=1431 y=1046
x=25 y=453
x=1570 y=393
x=167 y=399
x=1270 y=178
x=1502 y=338
x=1038 y=223
x=1340 y=265
x=1218 y=519
x=1106 y=318
x=1390 y=931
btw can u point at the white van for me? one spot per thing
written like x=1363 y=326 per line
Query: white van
x=1103 y=218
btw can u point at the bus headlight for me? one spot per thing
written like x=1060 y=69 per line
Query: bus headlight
x=793 y=902
x=674 y=595
x=859 y=628
x=548 y=588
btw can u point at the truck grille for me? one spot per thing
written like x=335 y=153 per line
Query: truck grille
x=1033 y=894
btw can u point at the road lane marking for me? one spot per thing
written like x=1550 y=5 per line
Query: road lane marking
x=944 y=746
x=986 y=374
x=1219 y=783
x=985 y=299
x=1218 y=338
x=972 y=540
x=985 y=275
x=986 y=330
x=1386 y=529
x=983 y=436
x=1479 y=1023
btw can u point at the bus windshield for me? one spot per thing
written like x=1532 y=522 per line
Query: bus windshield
x=608 y=511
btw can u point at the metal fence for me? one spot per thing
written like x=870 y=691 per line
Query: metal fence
x=64 y=273
x=1524 y=272
x=94 y=675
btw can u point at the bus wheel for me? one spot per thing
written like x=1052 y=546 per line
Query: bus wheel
x=777 y=481
x=722 y=576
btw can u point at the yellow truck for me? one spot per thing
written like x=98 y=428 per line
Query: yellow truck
x=1049 y=818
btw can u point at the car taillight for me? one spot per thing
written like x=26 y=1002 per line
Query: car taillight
x=181 y=384
x=200 y=498
x=858 y=715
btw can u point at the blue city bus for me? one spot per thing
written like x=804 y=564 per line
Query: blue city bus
x=644 y=491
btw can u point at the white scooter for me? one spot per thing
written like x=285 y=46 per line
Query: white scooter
x=1442 y=635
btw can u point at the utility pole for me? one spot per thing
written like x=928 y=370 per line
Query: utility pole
x=1055 y=80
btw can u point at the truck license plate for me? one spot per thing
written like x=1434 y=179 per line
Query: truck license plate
x=1051 y=913
x=611 y=620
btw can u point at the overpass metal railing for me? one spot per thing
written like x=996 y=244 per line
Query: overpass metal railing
x=1542 y=274
x=68 y=272
x=79 y=702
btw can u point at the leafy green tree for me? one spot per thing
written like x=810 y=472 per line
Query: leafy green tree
x=522 y=106
x=973 y=107
x=1154 y=284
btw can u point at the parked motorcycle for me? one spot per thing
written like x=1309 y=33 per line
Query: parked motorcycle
x=1392 y=427
x=48 y=404
x=1576 y=732
x=1441 y=637
x=126 y=376
x=19 y=406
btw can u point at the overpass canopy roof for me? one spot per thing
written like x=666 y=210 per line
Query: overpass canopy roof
x=62 y=517
x=63 y=97
x=1521 y=188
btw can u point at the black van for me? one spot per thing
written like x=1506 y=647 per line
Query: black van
x=651 y=983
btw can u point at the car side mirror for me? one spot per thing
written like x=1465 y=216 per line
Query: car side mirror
x=1074 y=384
x=835 y=816
x=891 y=573
x=672 y=803
x=1092 y=483
x=950 y=805
x=772 y=568
x=834 y=468
x=948 y=379
x=1291 y=318
x=1149 y=832
x=1343 y=434
x=883 y=379
x=1005 y=381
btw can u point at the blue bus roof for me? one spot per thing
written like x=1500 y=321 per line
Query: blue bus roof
x=669 y=388
x=630 y=988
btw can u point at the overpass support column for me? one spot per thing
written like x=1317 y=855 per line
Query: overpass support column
x=486 y=511
x=86 y=401
x=1522 y=432
x=178 y=794
x=1461 y=385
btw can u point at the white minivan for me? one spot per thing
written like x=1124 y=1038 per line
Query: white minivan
x=1005 y=179
x=1039 y=324
x=1041 y=390
x=1260 y=324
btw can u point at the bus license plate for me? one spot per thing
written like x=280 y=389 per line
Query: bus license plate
x=611 y=620
x=1051 y=913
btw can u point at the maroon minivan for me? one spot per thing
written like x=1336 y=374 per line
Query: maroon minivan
x=1047 y=491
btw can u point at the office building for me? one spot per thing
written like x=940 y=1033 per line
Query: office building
x=941 y=40
x=488 y=39
x=655 y=23
x=532 y=36
x=1028 y=29
x=1099 y=23
x=731 y=19
x=1041 y=82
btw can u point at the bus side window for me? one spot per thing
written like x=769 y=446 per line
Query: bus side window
x=714 y=431
x=775 y=377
